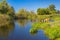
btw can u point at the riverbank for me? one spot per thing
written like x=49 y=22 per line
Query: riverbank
x=51 y=29
x=4 y=19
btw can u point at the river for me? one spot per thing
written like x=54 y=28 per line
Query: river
x=19 y=30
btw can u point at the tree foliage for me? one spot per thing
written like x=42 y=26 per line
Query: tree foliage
x=43 y=11
x=22 y=13
x=46 y=11
x=5 y=8
x=51 y=7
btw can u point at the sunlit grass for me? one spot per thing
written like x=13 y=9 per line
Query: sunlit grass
x=51 y=29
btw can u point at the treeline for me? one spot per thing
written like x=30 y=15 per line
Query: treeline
x=48 y=11
x=5 y=8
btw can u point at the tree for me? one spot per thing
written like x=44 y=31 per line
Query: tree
x=5 y=8
x=22 y=13
x=32 y=15
x=58 y=11
x=11 y=12
x=46 y=11
x=40 y=11
x=43 y=11
x=51 y=7
x=53 y=12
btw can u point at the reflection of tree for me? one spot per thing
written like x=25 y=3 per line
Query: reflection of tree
x=4 y=30
x=22 y=22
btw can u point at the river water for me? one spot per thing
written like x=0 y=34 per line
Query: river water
x=19 y=30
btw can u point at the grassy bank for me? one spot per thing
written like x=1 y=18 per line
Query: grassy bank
x=51 y=29
x=54 y=17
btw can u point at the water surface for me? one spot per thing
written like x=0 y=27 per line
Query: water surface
x=19 y=30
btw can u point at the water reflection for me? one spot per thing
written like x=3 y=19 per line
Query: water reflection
x=15 y=31
x=24 y=34
x=22 y=22
x=5 y=30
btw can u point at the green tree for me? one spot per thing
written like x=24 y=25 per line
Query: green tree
x=5 y=8
x=51 y=7
x=11 y=12
x=22 y=13
x=33 y=15
x=43 y=11
x=53 y=12
x=46 y=11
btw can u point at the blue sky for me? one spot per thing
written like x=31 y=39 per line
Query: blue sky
x=33 y=4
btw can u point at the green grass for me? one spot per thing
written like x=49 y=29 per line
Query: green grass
x=54 y=17
x=51 y=29
x=57 y=39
